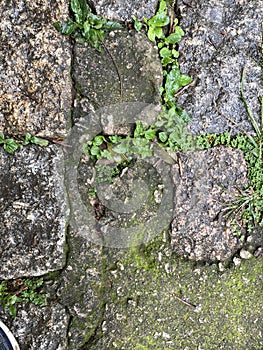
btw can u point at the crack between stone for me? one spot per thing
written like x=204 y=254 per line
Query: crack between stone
x=97 y=332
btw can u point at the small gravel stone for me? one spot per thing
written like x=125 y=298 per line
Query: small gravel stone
x=236 y=261
x=244 y=254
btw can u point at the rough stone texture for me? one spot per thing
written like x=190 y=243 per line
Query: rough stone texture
x=39 y=328
x=209 y=179
x=33 y=212
x=96 y=78
x=122 y=10
x=220 y=38
x=35 y=85
x=127 y=299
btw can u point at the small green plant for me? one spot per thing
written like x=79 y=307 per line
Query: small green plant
x=166 y=134
x=118 y=148
x=156 y=28
x=170 y=129
x=85 y=26
x=21 y=291
x=35 y=140
x=11 y=145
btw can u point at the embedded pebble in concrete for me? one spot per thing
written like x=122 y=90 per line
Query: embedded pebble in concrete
x=208 y=180
x=33 y=212
x=35 y=85
x=244 y=254
x=221 y=37
x=122 y=10
x=96 y=76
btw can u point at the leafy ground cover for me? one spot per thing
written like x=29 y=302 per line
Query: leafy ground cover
x=21 y=291
x=85 y=26
x=11 y=145
x=170 y=133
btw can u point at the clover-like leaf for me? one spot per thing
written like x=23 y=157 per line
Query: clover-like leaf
x=137 y=24
x=109 y=26
x=163 y=136
x=175 y=37
x=154 y=32
x=10 y=145
x=122 y=147
x=98 y=140
x=174 y=81
x=150 y=133
x=27 y=139
x=159 y=20
x=162 y=6
x=76 y=8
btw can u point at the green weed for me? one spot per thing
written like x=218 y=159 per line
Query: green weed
x=21 y=291
x=11 y=145
x=170 y=129
x=156 y=28
x=85 y=26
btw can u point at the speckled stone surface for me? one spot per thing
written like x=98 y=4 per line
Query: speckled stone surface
x=39 y=328
x=35 y=85
x=221 y=37
x=101 y=298
x=122 y=10
x=208 y=180
x=33 y=212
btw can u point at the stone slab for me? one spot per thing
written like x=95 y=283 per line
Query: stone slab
x=221 y=37
x=33 y=212
x=35 y=84
x=96 y=78
x=39 y=328
x=122 y=10
x=208 y=180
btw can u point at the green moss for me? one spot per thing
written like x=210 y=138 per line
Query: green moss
x=144 y=257
x=232 y=308
x=142 y=312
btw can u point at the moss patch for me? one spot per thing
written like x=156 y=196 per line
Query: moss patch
x=141 y=311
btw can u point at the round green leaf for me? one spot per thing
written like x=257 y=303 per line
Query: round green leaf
x=163 y=136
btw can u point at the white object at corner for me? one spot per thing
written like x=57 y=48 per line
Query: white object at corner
x=7 y=340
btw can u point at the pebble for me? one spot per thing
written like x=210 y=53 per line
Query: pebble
x=237 y=261
x=244 y=254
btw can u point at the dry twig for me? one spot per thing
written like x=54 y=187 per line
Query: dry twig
x=183 y=301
